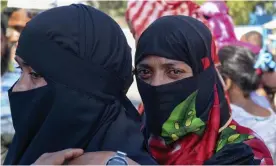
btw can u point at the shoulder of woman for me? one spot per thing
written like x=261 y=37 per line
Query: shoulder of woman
x=233 y=154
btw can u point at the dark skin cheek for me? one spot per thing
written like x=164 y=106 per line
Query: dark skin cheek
x=269 y=79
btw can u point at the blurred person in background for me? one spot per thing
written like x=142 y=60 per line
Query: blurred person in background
x=265 y=62
x=266 y=66
x=7 y=77
x=241 y=79
x=267 y=89
x=72 y=90
x=269 y=82
x=5 y=51
x=16 y=21
x=222 y=27
x=253 y=37
x=6 y=124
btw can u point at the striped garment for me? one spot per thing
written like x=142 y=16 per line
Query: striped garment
x=140 y=14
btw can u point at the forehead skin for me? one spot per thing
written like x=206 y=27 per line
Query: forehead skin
x=19 y=18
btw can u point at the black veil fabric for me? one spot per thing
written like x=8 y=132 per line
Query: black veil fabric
x=83 y=55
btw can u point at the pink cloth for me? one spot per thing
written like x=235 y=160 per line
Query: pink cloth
x=222 y=26
x=251 y=47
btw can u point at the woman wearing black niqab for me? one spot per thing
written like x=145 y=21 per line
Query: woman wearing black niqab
x=85 y=60
x=188 y=119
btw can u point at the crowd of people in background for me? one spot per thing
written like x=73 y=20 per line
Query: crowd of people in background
x=207 y=96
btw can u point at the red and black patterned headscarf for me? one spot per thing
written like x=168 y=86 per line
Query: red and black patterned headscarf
x=189 y=121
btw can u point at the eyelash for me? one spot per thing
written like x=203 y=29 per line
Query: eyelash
x=33 y=74
x=170 y=70
x=142 y=70
x=175 y=70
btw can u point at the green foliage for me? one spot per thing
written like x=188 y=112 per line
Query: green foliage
x=113 y=8
x=269 y=6
x=240 y=10
x=3 y=5
x=200 y=1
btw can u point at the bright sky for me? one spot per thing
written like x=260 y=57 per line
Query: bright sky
x=40 y=4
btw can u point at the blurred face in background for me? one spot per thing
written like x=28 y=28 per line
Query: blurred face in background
x=5 y=53
x=16 y=23
x=254 y=38
x=269 y=80
x=3 y=43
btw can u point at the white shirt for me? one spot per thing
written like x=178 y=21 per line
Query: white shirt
x=265 y=127
x=260 y=100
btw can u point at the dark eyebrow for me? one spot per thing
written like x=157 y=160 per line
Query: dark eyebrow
x=168 y=64
x=143 y=65
x=175 y=65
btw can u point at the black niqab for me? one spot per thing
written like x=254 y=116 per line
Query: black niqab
x=189 y=41
x=84 y=57
x=184 y=39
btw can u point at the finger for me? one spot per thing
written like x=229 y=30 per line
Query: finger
x=65 y=152
x=73 y=153
x=60 y=157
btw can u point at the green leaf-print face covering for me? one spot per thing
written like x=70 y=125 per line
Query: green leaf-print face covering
x=182 y=120
x=173 y=110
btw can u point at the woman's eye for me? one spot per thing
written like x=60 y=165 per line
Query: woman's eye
x=144 y=73
x=34 y=75
x=174 y=73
